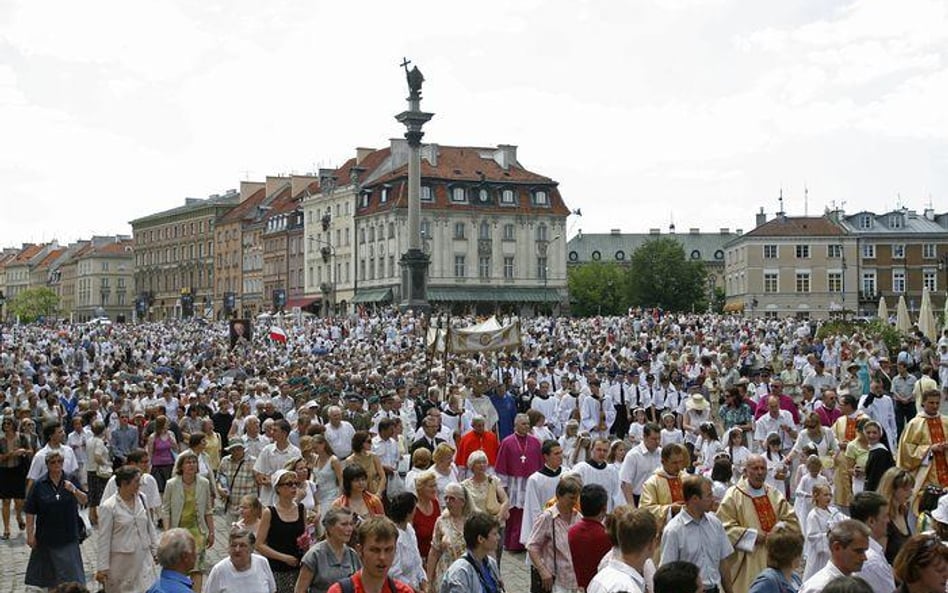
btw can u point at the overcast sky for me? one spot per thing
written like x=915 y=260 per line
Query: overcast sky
x=644 y=112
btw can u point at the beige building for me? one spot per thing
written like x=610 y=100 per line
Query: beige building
x=104 y=284
x=174 y=257
x=789 y=266
x=229 y=249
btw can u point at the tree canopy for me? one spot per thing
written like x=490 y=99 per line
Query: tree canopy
x=661 y=276
x=33 y=303
x=598 y=288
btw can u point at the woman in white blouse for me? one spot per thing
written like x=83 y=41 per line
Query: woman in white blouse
x=127 y=539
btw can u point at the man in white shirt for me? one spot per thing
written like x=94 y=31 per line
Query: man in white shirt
x=849 y=542
x=697 y=536
x=871 y=508
x=242 y=570
x=55 y=441
x=640 y=463
x=626 y=569
x=386 y=449
x=776 y=421
x=273 y=457
x=339 y=433
x=254 y=441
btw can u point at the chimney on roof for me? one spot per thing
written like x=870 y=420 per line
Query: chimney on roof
x=189 y=201
x=506 y=155
x=725 y=230
x=248 y=188
x=929 y=214
x=655 y=231
x=615 y=231
x=362 y=153
x=694 y=231
x=738 y=232
x=761 y=217
x=275 y=183
x=299 y=182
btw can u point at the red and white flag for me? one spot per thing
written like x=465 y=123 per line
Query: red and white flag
x=277 y=334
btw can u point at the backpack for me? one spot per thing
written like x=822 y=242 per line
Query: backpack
x=348 y=586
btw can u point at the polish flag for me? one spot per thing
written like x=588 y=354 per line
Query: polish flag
x=277 y=334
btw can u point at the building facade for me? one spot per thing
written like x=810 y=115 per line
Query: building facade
x=105 y=279
x=495 y=231
x=229 y=249
x=174 y=258
x=898 y=253
x=799 y=267
x=617 y=247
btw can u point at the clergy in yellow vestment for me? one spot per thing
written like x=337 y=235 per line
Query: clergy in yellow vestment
x=923 y=445
x=662 y=491
x=749 y=512
x=844 y=429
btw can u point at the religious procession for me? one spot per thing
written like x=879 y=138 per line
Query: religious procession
x=649 y=453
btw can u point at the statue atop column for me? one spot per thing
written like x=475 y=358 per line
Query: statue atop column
x=415 y=80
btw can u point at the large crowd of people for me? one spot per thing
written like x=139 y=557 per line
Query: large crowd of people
x=646 y=453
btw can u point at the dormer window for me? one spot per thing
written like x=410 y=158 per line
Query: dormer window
x=458 y=195
x=541 y=198
x=507 y=197
x=895 y=221
x=364 y=201
x=865 y=221
x=426 y=194
x=483 y=196
x=383 y=197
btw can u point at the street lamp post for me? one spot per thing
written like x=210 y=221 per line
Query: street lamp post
x=328 y=253
x=943 y=267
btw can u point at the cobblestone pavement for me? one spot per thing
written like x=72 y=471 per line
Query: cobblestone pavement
x=14 y=554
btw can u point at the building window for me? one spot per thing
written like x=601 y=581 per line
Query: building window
x=391 y=231
x=834 y=251
x=898 y=251
x=483 y=196
x=834 y=281
x=928 y=250
x=868 y=251
x=803 y=282
x=509 y=232
x=426 y=229
x=383 y=197
x=484 y=231
x=541 y=198
x=458 y=195
x=771 y=282
x=930 y=280
x=391 y=266
x=459 y=230
x=361 y=236
x=542 y=268
x=865 y=221
x=898 y=281
x=459 y=266
x=896 y=221
x=426 y=194
x=803 y=251
x=508 y=267
x=770 y=252
x=507 y=197
x=541 y=232
x=483 y=266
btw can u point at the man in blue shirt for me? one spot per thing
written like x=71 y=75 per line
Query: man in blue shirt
x=176 y=555
x=506 y=405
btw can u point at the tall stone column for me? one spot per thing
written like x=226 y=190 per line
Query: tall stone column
x=414 y=262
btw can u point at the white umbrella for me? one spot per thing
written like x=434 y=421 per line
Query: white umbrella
x=902 y=320
x=883 y=310
x=926 y=317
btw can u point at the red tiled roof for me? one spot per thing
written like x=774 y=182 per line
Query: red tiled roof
x=368 y=164
x=798 y=226
x=50 y=257
x=237 y=213
x=117 y=248
x=466 y=163
x=27 y=253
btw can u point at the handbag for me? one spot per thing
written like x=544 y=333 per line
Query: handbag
x=491 y=502
x=536 y=583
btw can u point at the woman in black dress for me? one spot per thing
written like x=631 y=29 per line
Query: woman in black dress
x=52 y=528
x=15 y=456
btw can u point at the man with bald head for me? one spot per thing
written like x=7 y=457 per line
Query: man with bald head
x=749 y=512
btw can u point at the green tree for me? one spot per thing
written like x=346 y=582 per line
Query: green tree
x=597 y=288
x=33 y=303
x=661 y=276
